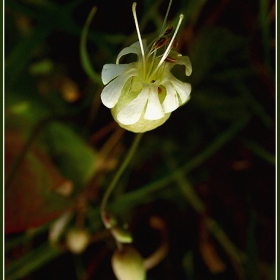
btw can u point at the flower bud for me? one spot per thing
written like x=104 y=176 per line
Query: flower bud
x=57 y=228
x=77 y=240
x=121 y=235
x=128 y=264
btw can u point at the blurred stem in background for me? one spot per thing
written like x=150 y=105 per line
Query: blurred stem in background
x=196 y=161
x=264 y=26
x=117 y=176
x=197 y=204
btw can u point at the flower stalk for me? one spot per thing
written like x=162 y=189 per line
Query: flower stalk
x=104 y=214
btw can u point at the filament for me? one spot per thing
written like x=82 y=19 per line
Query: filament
x=138 y=33
x=164 y=56
x=165 y=18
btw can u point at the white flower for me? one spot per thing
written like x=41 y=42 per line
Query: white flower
x=142 y=94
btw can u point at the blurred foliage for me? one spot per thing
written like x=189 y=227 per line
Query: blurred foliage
x=212 y=178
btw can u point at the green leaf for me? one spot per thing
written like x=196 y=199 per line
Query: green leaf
x=76 y=159
x=215 y=47
x=19 y=57
x=30 y=262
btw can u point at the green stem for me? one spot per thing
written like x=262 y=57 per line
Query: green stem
x=117 y=176
x=84 y=57
x=195 y=201
x=193 y=163
x=183 y=183
x=260 y=151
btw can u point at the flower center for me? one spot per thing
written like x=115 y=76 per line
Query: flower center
x=149 y=75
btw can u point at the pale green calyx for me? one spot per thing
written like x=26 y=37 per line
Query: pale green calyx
x=128 y=264
x=142 y=94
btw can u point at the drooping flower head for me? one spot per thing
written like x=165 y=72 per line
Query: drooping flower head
x=143 y=94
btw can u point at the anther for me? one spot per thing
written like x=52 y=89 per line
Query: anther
x=160 y=43
x=170 y=59
x=168 y=30
x=170 y=43
x=175 y=44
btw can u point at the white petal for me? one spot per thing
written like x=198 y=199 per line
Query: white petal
x=171 y=101
x=183 y=89
x=134 y=48
x=181 y=60
x=185 y=60
x=111 y=93
x=111 y=71
x=131 y=113
x=154 y=109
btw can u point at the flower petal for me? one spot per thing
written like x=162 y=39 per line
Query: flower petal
x=171 y=101
x=154 y=109
x=131 y=113
x=183 y=89
x=181 y=60
x=134 y=48
x=111 y=71
x=111 y=93
x=185 y=60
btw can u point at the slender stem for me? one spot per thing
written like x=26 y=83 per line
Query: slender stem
x=84 y=57
x=195 y=201
x=193 y=163
x=117 y=176
x=260 y=151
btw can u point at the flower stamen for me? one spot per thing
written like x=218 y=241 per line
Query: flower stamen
x=164 y=56
x=168 y=30
x=170 y=59
x=138 y=34
x=165 y=19
x=160 y=43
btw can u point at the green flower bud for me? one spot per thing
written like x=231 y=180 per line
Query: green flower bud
x=128 y=264
x=77 y=240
